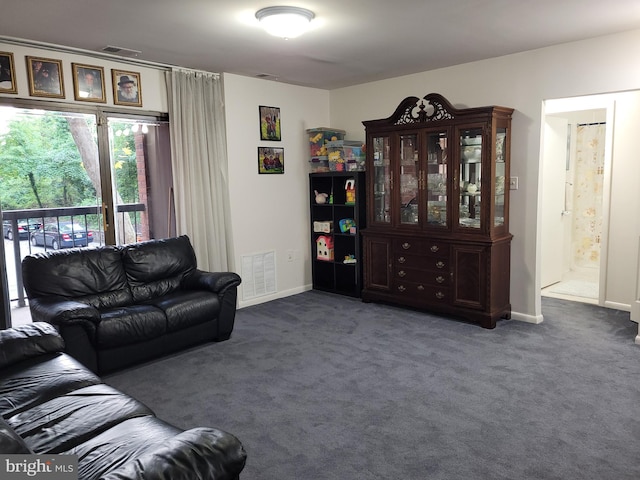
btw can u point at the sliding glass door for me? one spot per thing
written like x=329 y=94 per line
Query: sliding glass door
x=76 y=179
x=141 y=173
x=51 y=186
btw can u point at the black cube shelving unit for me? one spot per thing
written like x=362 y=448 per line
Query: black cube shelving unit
x=340 y=272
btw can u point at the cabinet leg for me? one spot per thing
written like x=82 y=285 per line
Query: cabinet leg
x=488 y=322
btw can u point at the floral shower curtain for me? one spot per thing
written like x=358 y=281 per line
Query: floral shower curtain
x=587 y=195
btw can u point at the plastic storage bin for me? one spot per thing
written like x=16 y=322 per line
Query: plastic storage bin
x=345 y=156
x=318 y=139
x=319 y=164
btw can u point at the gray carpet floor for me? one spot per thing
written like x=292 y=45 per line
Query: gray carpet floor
x=318 y=386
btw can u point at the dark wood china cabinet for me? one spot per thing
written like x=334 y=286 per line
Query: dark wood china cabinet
x=437 y=235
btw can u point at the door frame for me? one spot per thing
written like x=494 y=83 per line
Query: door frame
x=108 y=208
x=576 y=104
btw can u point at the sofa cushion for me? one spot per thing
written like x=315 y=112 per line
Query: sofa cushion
x=120 y=444
x=10 y=441
x=202 y=453
x=71 y=419
x=27 y=341
x=39 y=379
x=157 y=267
x=94 y=276
x=128 y=325
x=187 y=308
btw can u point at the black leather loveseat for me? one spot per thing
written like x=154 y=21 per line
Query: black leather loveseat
x=117 y=306
x=51 y=404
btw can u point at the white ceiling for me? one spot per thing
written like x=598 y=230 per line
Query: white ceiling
x=352 y=42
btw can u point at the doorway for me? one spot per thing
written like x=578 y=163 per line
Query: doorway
x=575 y=177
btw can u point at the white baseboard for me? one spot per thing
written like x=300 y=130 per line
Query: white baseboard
x=635 y=311
x=523 y=317
x=275 y=296
x=625 y=307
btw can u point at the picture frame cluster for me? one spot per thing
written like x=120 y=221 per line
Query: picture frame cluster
x=46 y=80
x=270 y=159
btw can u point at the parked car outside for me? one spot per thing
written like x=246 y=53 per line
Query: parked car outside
x=24 y=227
x=62 y=235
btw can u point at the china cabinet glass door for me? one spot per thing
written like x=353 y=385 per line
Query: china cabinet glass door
x=381 y=180
x=499 y=215
x=470 y=178
x=437 y=176
x=409 y=179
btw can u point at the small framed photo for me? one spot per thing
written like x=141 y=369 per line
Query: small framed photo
x=45 y=77
x=270 y=160
x=270 y=123
x=127 y=89
x=7 y=73
x=88 y=83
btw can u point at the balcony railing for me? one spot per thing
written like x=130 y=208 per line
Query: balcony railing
x=86 y=217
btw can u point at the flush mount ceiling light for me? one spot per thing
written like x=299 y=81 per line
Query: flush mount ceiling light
x=285 y=22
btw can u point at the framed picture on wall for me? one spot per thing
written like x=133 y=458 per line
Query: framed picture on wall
x=88 y=83
x=127 y=89
x=7 y=73
x=270 y=123
x=270 y=160
x=45 y=77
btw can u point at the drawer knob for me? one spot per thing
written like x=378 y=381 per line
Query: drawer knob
x=402 y=273
x=439 y=295
x=434 y=248
x=401 y=288
x=420 y=288
x=402 y=260
x=440 y=264
x=439 y=279
x=406 y=245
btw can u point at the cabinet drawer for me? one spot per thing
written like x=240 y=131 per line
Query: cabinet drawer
x=403 y=260
x=421 y=247
x=426 y=277
x=422 y=292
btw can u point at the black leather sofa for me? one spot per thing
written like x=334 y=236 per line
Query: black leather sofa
x=118 y=306
x=51 y=404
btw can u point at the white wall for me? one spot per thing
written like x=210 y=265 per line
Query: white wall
x=521 y=81
x=624 y=220
x=271 y=212
x=154 y=91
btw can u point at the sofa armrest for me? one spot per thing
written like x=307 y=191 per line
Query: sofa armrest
x=216 y=282
x=60 y=311
x=26 y=341
x=199 y=453
x=10 y=441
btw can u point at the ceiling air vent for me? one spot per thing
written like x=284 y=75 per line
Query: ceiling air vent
x=124 y=52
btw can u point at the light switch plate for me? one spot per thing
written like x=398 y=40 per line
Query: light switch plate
x=513 y=183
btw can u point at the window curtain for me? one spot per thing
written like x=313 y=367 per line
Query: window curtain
x=199 y=162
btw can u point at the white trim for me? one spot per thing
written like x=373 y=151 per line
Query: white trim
x=523 y=317
x=90 y=53
x=617 y=306
x=635 y=305
x=606 y=200
x=276 y=296
x=101 y=55
x=588 y=102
